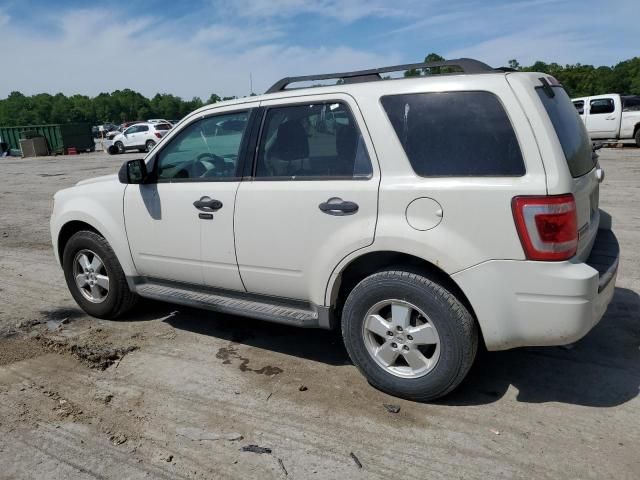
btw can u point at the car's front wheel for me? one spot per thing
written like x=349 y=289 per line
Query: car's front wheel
x=119 y=146
x=638 y=137
x=409 y=335
x=94 y=276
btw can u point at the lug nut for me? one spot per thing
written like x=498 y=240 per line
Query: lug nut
x=399 y=328
x=390 y=333
x=405 y=347
x=394 y=345
x=409 y=337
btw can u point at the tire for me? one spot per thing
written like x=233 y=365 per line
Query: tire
x=637 y=136
x=120 y=147
x=149 y=145
x=453 y=344
x=118 y=299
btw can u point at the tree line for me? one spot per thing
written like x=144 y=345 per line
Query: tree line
x=116 y=107
x=579 y=80
x=127 y=105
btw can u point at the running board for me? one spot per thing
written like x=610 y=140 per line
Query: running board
x=235 y=303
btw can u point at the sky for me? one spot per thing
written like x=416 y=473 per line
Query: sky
x=199 y=47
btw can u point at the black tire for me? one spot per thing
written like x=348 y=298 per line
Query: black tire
x=456 y=328
x=638 y=137
x=119 y=298
x=120 y=147
x=149 y=145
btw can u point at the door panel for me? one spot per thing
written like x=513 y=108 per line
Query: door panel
x=286 y=244
x=603 y=118
x=170 y=236
x=163 y=229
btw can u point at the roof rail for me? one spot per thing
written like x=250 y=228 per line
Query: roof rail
x=467 y=65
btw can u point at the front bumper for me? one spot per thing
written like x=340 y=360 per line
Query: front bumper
x=527 y=303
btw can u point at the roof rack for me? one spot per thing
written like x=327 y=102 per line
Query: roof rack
x=467 y=65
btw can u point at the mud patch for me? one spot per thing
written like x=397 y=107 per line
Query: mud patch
x=18 y=349
x=95 y=356
x=230 y=353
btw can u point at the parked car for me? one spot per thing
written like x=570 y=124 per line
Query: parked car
x=121 y=128
x=421 y=217
x=141 y=136
x=610 y=116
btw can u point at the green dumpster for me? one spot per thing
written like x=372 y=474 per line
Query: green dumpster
x=60 y=137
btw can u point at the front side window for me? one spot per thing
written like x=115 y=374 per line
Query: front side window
x=206 y=149
x=131 y=130
x=601 y=106
x=311 y=141
x=455 y=134
x=143 y=128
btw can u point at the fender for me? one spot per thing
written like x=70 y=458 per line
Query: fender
x=99 y=205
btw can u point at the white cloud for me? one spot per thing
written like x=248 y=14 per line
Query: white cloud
x=343 y=10
x=95 y=53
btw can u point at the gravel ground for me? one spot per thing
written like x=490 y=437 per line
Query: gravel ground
x=172 y=392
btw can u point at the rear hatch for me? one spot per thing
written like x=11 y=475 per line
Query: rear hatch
x=579 y=156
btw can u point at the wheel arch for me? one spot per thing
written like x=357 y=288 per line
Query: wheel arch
x=71 y=228
x=368 y=263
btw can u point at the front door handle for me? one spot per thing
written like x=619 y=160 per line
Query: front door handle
x=207 y=204
x=337 y=206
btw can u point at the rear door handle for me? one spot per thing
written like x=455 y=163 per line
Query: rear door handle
x=207 y=204
x=338 y=207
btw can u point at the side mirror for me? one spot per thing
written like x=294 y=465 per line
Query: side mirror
x=133 y=171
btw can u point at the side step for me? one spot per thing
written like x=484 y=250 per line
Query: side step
x=235 y=303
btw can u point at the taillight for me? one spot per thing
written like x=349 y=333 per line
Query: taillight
x=157 y=134
x=548 y=226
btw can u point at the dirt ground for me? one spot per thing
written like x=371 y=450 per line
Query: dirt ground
x=172 y=392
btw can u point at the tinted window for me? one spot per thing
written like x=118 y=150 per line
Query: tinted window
x=131 y=130
x=143 y=128
x=570 y=130
x=162 y=126
x=315 y=140
x=204 y=149
x=600 y=106
x=579 y=106
x=455 y=134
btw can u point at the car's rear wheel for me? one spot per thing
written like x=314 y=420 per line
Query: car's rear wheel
x=638 y=137
x=149 y=145
x=94 y=276
x=119 y=146
x=409 y=335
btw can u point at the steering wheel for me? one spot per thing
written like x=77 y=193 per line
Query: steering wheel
x=200 y=169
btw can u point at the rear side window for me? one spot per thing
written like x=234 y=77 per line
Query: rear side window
x=455 y=134
x=631 y=104
x=162 y=126
x=601 y=105
x=143 y=128
x=312 y=141
x=571 y=132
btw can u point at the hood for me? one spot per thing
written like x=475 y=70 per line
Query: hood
x=101 y=179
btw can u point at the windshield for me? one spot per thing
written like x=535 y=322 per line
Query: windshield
x=571 y=132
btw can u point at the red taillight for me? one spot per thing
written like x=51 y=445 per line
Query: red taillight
x=548 y=226
x=157 y=135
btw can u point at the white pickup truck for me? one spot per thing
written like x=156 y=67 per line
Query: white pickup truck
x=610 y=116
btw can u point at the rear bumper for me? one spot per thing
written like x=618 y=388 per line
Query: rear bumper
x=526 y=303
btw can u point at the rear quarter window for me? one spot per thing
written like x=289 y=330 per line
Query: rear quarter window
x=571 y=132
x=455 y=134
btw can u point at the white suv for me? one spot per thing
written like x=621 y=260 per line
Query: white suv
x=418 y=215
x=141 y=136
